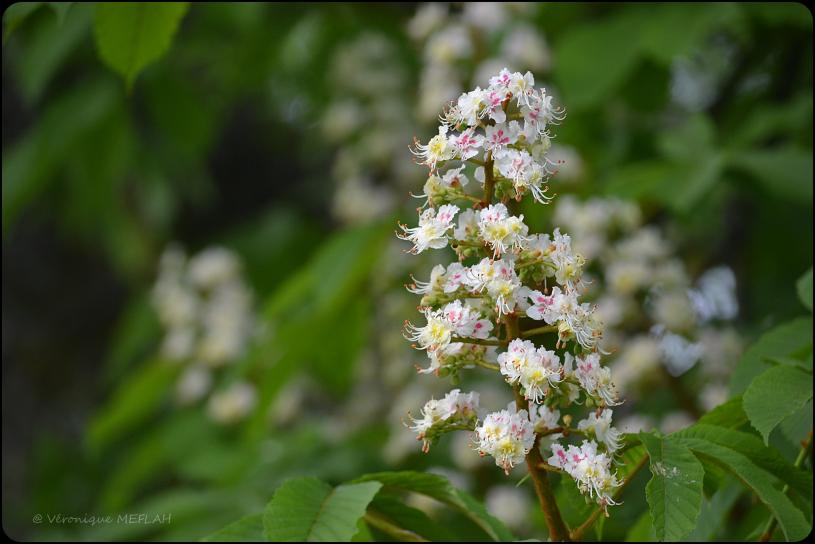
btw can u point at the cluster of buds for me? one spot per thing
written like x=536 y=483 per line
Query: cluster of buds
x=205 y=308
x=480 y=310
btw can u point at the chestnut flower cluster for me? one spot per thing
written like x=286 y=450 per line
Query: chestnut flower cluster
x=480 y=311
x=205 y=308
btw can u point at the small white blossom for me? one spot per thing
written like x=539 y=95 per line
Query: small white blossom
x=590 y=470
x=600 y=427
x=535 y=369
x=507 y=435
x=455 y=408
x=433 y=229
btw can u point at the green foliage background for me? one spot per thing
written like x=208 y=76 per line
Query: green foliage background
x=199 y=126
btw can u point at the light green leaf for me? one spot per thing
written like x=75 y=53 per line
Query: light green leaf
x=307 y=509
x=775 y=395
x=765 y=485
x=804 y=287
x=674 y=493
x=788 y=339
x=136 y=400
x=130 y=36
x=439 y=488
x=248 y=529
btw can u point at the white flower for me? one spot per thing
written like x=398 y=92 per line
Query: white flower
x=601 y=427
x=213 y=266
x=522 y=86
x=524 y=172
x=543 y=417
x=194 y=383
x=715 y=297
x=455 y=408
x=453 y=319
x=233 y=403
x=590 y=470
x=467 y=144
x=432 y=230
x=534 y=369
x=595 y=379
x=440 y=148
x=435 y=284
x=499 y=280
x=506 y=435
x=467 y=228
x=501 y=230
x=499 y=136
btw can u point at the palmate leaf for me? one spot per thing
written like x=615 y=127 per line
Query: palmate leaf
x=439 y=488
x=761 y=469
x=130 y=36
x=674 y=493
x=751 y=446
x=775 y=395
x=310 y=510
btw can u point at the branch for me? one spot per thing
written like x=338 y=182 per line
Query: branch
x=539 y=330
x=577 y=534
x=540 y=479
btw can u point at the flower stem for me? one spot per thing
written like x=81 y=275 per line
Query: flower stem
x=558 y=532
x=485 y=364
x=806 y=446
x=539 y=330
x=489 y=181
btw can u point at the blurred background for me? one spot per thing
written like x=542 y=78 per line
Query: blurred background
x=202 y=292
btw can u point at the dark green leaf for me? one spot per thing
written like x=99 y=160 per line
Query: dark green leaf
x=133 y=35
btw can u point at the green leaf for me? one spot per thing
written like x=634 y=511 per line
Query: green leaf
x=804 y=287
x=412 y=519
x=439 y=488
x=674 y=493
x=133 y=35
x=136 y=399
x=673 y=29
x=775 y=395
x=715 y=511
x=307 y=509
x=729 y=414
x=765 y=485
x=16 y=14
x=27 y=170
x=784 y=171
x=594 y=59
x=248 y=529
x=791 y=338
x=641 y=531
x=751 y=446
